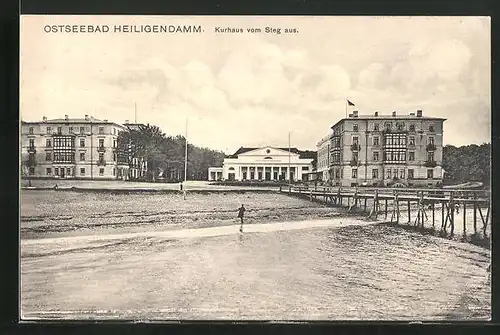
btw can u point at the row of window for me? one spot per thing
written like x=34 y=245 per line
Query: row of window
x=390 y=173
x=389 y=126
x=70 y=156
x=393 y=156
x=61 y=142
x=72 y=130
x=390 y=139
x=69 y=172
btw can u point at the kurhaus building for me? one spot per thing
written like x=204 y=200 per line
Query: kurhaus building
x=84 y=148
x=378 y=150
x=265 y=164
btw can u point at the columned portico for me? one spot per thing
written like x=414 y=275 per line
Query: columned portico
x=266 y=164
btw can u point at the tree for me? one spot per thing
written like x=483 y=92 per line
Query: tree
x=467 y=163
x=166 y=154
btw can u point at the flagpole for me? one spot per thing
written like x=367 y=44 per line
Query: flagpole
x=346 y=107
x=185 y=160
x=289 y=160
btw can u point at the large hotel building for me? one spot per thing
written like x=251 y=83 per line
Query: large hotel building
x=380 y=150
x=82 y=148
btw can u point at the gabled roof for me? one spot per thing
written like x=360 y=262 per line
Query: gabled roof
x=302 y=154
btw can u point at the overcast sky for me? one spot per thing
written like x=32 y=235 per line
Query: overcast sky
x=252 y=89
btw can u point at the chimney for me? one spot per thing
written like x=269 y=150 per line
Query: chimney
x=126 y=121
x=376 y=113
x=394 y=113
x=354 y=113
x=44 y=119
x=86 y=117
x=105 y=120
x=66 y=117
x=419 y=113
x=412 y=114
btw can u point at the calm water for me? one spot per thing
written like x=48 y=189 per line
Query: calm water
x=318 y=272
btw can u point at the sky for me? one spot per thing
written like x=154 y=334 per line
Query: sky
x=253 y=89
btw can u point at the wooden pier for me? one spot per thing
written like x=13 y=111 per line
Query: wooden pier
x=421 y=203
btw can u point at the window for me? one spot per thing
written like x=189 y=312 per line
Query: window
x=355 y=173
x=410 y=173
x=411 y=140
x=375 y=173
x=400 y=125
x=49 y=130
x=71 y=130
x=48 y=143
x=101 y=143
x=430 y=156
x=114 y=143
x=59 y=130
x=56 y=171
x=355 y=127
x=49 y=171
x=402 y=174
x=82 y=130
x=82 y=171
x=376 y=140
x=388 y=174
x=412 y=127
x=30 y=130
x=82 y=143
x=431 y=128
x=114 y=172
x=375 y=156
x=32 y=171
x=431 y=140
x=411 y=156
x=388 y=125
x=82 y=156
x=101 y=156
x=48 y=156
x=375 y=127
x=101 y=172
x=114 y=157
x=68 y=171
x=32 y=143
x=101 y=130
x=430 y=173
x=355 y=140
x=305 y=168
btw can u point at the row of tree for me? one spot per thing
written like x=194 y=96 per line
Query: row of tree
x=165 y=155
x=467 y=163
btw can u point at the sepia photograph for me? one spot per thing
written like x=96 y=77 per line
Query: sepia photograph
x=270 y=168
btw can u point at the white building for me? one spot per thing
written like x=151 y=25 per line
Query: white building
x=267 y=163
x=323 y=165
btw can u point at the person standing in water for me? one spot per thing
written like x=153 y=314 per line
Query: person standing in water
x=241 y=213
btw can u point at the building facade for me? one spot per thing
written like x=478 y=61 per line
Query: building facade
x=381 y=150
x=323 y=164
x=265 y=164
x=69 y=148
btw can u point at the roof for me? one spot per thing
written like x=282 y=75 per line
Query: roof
x=71 y=120
x=301 y=153
x=389 y=117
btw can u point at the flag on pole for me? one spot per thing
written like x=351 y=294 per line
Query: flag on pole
x=350 y=103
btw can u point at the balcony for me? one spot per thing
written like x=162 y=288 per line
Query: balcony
x=430 y=147
x=32 y=149
x=354 y=162
x=430 y=164
x=101 y=149
x=355 y=147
